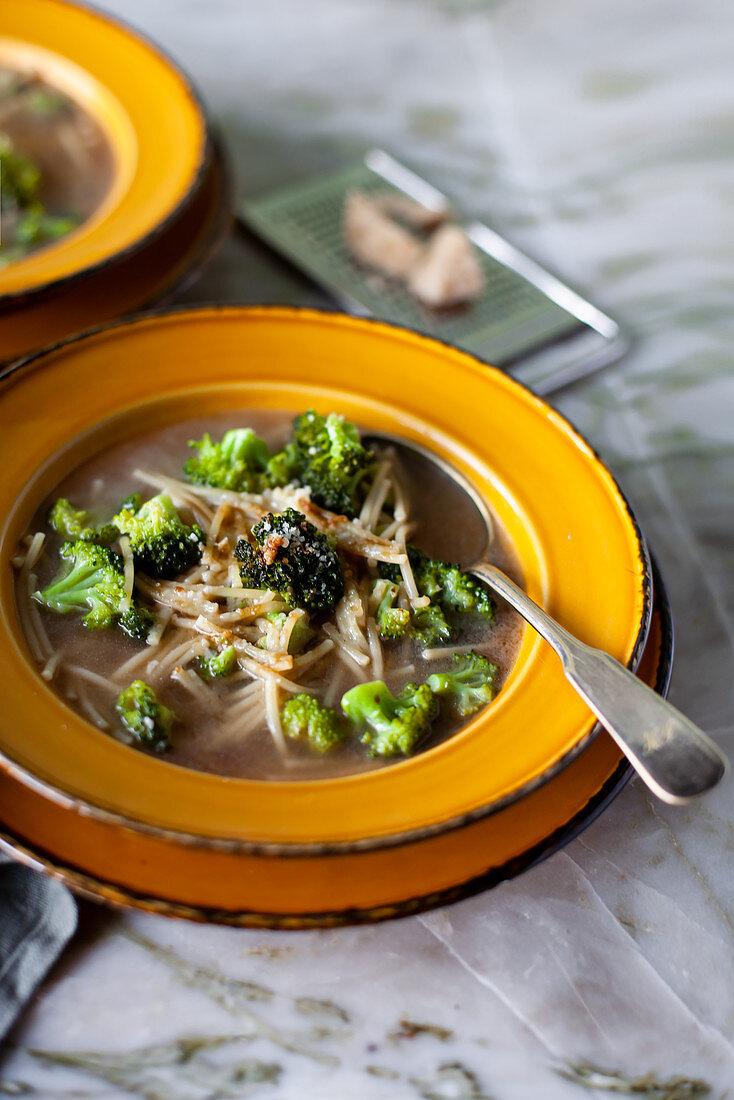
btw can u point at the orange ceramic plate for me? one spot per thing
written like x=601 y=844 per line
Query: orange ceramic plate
x=134 y=869
x=146 y=108
x=578 y=544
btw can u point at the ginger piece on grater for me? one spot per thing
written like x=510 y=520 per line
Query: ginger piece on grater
x=448 y=273
x=377 y=241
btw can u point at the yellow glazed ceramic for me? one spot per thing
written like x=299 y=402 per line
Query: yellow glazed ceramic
x=347 y=843
x=148 y=112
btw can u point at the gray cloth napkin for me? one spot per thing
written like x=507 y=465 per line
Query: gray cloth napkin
x=37 y=918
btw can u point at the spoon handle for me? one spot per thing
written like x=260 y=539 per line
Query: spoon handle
x=673 y=756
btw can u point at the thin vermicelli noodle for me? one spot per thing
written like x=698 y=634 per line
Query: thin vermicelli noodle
x=188 y=679
x=93 y=678
x=33 y=620
x=156 y=634
x=49 y=669
x=225 y=655
x=375 y=650
x=87 y=705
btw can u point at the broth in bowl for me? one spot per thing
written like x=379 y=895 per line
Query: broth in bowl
x=56 y=165
x=254 y=595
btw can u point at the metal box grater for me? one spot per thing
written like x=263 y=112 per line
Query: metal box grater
x=525 y=321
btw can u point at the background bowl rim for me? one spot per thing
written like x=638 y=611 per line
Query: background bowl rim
x=13 y=298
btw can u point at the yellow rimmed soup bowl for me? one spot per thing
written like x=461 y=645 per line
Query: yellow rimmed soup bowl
x=284 y=851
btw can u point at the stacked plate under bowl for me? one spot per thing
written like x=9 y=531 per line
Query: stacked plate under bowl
x=166 y=204
x=520 y=779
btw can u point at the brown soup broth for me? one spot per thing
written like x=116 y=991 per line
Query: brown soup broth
x=200 y=737
x=65 y=143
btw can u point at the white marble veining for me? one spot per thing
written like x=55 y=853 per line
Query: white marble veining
x=597 y=135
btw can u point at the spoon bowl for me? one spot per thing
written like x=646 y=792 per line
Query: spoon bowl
x=675 y=758
x=450 y=490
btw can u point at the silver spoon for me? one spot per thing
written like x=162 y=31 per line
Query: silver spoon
x=673 y=756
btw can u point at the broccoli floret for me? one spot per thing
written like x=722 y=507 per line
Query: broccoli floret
x=451 y=592
x=136 y=622
x=463 y=594
x=468 y=685
x=36 y=226
x=73 y=523
x=395 y=723
x=445 y=584
x=68 y=521
x=293 y=559
x=282 y=468
x=426 y=625
x=144 y=717
x=304 y=719
x=326 y=454
x=219 y=664
x=429 y=628
x=238 y=462
x=20 y=184
x=20 y=178
x=95 y=583
x=162 y=545
x=392 y=622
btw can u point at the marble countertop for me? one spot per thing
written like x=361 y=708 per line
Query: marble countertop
x=598 y=136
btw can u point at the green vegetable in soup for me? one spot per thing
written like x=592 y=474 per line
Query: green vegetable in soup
x=95 y=583
x=392 y=622
x=37 y=227
x=468 y=685
x=303 y=718
x=143 y=716
x=20 y=178
x=394 y=725
x=429 y=628
x=26 y=222
x=292 y=559
x=74 y=523
x=162 y=544
x=453 y=595
x=446 y=585
x=217 y=665
x=326 y=454
x=240 y=462
x=46 y=102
